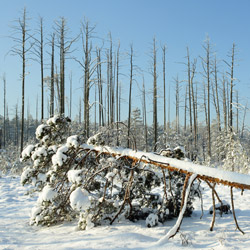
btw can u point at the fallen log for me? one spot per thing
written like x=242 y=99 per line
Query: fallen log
x=213 y=175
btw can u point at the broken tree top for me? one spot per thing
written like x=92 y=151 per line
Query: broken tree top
x=229 y=178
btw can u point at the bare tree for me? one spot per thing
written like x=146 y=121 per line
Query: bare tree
x=89 y=66
x=189 y=91
x=100 y=86
x=52 y=76
x=207 y=70
x=231 y=76
x=117 y=81
x=224 y=102
x=130 y=93
x=155 y=125
x=144 y=108
x=215 y=91
x=4 y=110
x=164 y=86
x=38 y=51
x=177 y=104
x=70 y=95
x=194 y=101
x=21 y=37
x=64 y=44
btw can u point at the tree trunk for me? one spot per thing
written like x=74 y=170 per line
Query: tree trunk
x=155 y=96
x=52 y=75
x=130 y=94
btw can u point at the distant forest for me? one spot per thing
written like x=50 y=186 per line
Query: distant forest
x=209 y=118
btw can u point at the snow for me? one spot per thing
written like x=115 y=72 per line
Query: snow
x=47 y=194
x=152 y=220
x=74 y=176
x=60 y=157
x=25 y=174
x=27 y=151
x=40 y=130
x=72 y=141
x=52 y=120
x=79 y=200
x=17 y=234
x=40 y=151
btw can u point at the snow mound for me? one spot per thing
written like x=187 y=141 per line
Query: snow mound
x=152 y=220
x=79 y=200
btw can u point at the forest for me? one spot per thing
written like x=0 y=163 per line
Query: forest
x=136 y=147
x=207 y=117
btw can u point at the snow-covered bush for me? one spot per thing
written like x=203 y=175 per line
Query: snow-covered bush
x=9 y=160
x=96 y=188
x=236 y=158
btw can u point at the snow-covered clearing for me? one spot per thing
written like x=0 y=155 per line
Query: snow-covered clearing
x=16 y=233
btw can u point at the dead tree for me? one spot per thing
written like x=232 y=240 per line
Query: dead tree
x=207 y=71
x=231 y=77
x=164 y=86
x=189 y=91
x=177 y=105
x=144 y=108
x=52 y=75
x=89 y=67
x=154 y=73
x=64 y=45
x=22 y=47
x=224 y=102
x=38 y=51
x=4 y=110
x=130 y=93
x=215 y=89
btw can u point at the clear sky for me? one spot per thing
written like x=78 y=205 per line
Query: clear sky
x=177 y=24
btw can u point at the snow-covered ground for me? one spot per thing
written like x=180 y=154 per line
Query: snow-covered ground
x=16 y=233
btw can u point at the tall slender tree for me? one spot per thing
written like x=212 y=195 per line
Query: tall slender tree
x=22 y=47
x=64 y=44
x=130 y=93
x=207 y=72
x=164 y=86
x=38 y=51
x=52 y=76
x=4 y=110
x=155 y=123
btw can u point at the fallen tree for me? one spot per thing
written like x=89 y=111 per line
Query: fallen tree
x=207 y=174
x=102 y=184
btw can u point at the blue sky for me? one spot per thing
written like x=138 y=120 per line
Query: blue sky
x=177 y=24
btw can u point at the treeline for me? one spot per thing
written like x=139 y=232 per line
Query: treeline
x=206 y=101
